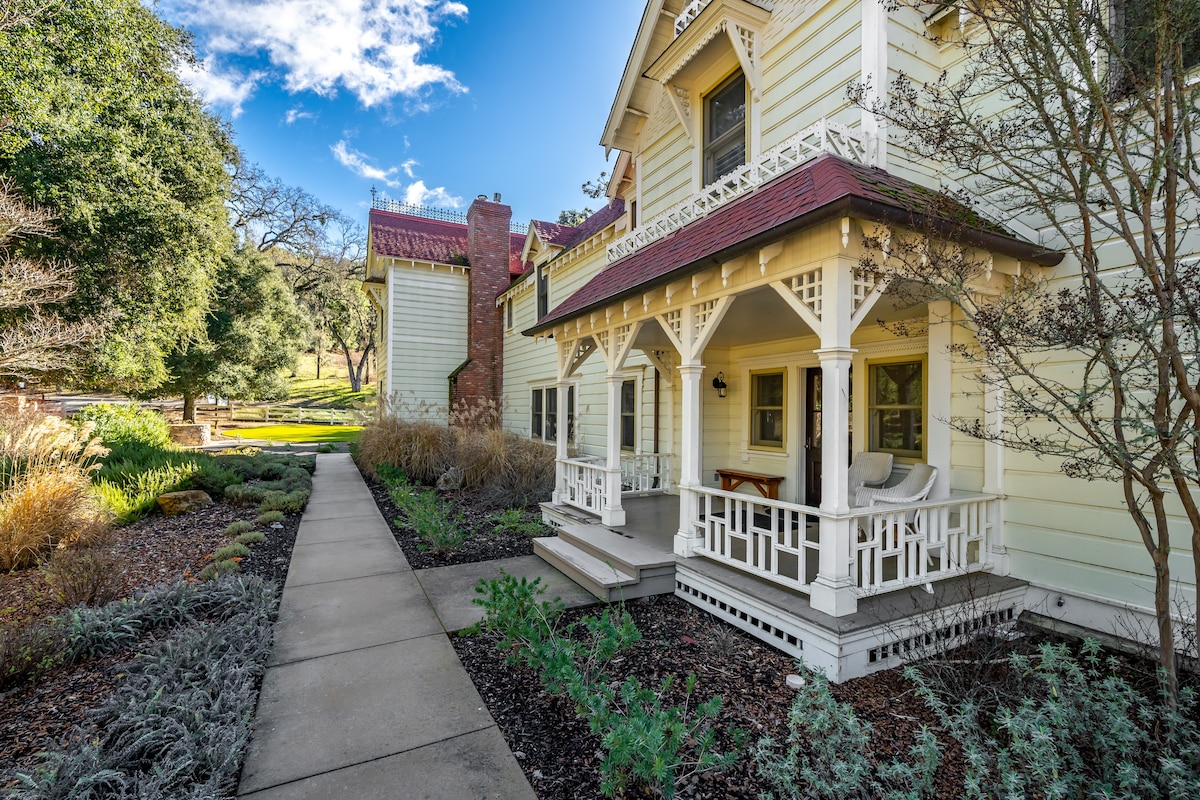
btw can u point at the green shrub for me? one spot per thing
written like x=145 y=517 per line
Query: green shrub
x=126 y=424
x=288 y=502
x=177 y=725
x=245 y=494
x=212 y=477
x=252 y=537
x=87 y=576
x=267 y=517
x=216 y=569
x=642 y=741
x=129 y=491
x=325 y=448
x=515 y=522
x=241 y=526
x=1075 y=729
x=439 y=531
x=27 y=651
x=229 y=551
x=827 y=754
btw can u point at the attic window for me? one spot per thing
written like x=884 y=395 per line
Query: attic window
x=543 y=292
x=725 y=128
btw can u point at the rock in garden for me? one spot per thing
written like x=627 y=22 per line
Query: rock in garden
x=451 y=480
x=175 y=503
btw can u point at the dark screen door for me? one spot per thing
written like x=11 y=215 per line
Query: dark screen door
x=812 y=437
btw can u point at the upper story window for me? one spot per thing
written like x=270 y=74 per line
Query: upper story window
x=725 y=128
x=1135 y=23
x=508 y=313
x=628 y=415
x=543 y=292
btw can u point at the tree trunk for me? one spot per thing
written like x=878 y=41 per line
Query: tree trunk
x=189 y=408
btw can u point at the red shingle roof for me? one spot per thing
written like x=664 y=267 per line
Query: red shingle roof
x=569 y=236
x=422 y=239
x=824 y=188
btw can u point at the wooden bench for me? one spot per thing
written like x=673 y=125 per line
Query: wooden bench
x=767 y=485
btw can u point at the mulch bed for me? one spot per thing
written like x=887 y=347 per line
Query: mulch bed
x=561 y=757
x=41 y=715
x=483 y=542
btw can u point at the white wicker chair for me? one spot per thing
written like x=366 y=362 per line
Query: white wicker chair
x=914 y=487
x=868 y=469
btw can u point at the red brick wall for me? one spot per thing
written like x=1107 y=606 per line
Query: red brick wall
x=487 y=250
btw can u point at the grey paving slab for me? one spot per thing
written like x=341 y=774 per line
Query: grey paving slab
x=325 y=618
x=324 y=531
x=476 y=766
x=337 y=561
x=348 y=499
x=451 y=589
x=320 y=714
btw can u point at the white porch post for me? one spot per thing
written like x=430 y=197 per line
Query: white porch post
x=833 y=591
x=561 y=444
x=993 y=476
x=687 y=539
x=939 y=380
x=612 y=513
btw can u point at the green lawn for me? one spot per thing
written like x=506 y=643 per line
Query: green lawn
x=299 y=434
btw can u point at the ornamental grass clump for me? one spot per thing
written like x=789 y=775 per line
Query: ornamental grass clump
x=251 y=537
x=46 y=496
x=502 y=469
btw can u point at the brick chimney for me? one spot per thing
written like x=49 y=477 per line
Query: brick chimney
x=480 y=380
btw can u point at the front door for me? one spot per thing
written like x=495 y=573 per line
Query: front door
x=812 y=436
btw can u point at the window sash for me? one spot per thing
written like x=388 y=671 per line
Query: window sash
x=725 y=128
x=895 y=412
x=767 y=405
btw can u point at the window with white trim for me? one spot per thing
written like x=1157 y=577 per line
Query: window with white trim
x=767 y=402
x=629 y=414
x=544 y=417
x=725 y=128
x=896 y=408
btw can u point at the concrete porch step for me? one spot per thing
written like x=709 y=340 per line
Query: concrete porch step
x=603 y=580
x=624 y=552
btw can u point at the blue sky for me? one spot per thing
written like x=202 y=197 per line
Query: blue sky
x=429 y=100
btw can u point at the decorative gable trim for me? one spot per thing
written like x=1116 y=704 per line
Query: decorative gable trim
x=740 y=21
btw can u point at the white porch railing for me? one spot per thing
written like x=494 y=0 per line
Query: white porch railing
x=916 y=543
x=771 y=539
x=646 y=472
x=823 y=137
x=896 y=547
x=583 y=483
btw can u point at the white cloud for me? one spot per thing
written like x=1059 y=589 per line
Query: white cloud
x=295 y=114
x=371 y=48
x=416 y=192
x=359 y=164
x=222 y=89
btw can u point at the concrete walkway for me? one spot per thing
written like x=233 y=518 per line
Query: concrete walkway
x=364 y=697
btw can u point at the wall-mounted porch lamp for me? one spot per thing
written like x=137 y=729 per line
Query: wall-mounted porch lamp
x=719 y=384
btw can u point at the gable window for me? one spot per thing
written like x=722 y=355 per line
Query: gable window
x=896 y=408
x=508 y=313
x=543 y=292
x=544 y=413
x=766 y=409
x=725 y=128
x=629 y=415
x=1135 y=22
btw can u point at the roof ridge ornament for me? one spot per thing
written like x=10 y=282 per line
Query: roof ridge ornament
x=689 y=13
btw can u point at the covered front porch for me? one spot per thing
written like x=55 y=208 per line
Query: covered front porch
x=886 y=627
